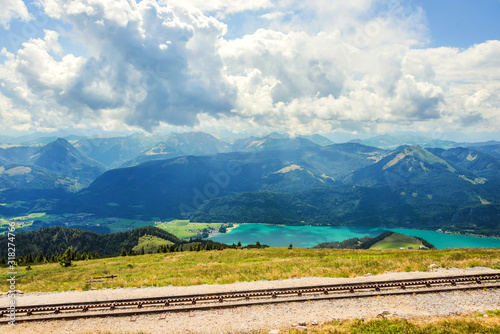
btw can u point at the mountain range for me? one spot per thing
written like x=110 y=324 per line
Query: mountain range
x=274 y=178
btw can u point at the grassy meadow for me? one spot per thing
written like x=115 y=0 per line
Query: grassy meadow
x=397 y=241
x=184 y=229
x=229 y=266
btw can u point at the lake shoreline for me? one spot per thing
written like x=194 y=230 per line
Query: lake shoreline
x=382 y=227
x=306 y=236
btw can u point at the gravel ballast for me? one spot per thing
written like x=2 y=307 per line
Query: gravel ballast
x=266 y=317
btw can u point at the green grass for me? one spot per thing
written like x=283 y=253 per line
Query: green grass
x=180 y=222
x=491 y=313
x=184 y=229
x=229 y=266
x=150 y=243
x=396 y=241
x=454 y=325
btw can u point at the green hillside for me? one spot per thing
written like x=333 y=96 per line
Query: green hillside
x=150 y=244
x=396 y=241
x=55 y=240
x=386 y=240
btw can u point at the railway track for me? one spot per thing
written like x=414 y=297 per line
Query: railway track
x=208 y=301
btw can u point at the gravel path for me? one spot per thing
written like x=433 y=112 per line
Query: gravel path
x=263 y=318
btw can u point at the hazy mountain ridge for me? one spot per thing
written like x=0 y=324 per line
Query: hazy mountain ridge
x=57 y=165
x=111 y=152
x=391 y=142
x=337 y=184
x=422 y=188
x=61 y=157
x=477 y=162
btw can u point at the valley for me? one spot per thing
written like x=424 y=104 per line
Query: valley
x=120 y=183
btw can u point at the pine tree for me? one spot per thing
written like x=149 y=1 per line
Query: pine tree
x=28 y=259
x=290 y=247
x=65 y=259
x=142 y=250
x=207 y=246
x=130 y=252
x=123 y=252
x=40 y=258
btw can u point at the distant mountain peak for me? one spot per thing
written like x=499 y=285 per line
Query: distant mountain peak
x=62 y=157
x=59 y=146
x=61 y=141
x=276 y=135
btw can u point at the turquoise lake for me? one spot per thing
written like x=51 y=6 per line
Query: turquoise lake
x=309 y=236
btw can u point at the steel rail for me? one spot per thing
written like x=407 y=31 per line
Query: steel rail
x=247 y=294
x=276 y=291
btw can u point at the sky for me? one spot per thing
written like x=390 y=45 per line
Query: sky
x=344 y=68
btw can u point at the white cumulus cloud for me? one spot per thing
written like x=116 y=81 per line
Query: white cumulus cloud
x=148 y=64
x=322 y=66
x=13 y=9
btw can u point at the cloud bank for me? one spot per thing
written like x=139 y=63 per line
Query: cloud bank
x=312 y=67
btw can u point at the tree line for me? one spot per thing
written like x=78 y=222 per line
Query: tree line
x=56 y=240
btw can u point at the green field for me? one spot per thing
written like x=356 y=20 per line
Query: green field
x=22 y=222
x=396 y=241
x=150 y=244
x=184 y=229
x=230 y=265
x=25 y=223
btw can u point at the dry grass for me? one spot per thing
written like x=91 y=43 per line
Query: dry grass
x=229 y=266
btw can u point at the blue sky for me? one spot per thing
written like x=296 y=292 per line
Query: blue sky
x=461 y=23
x=348 y=69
